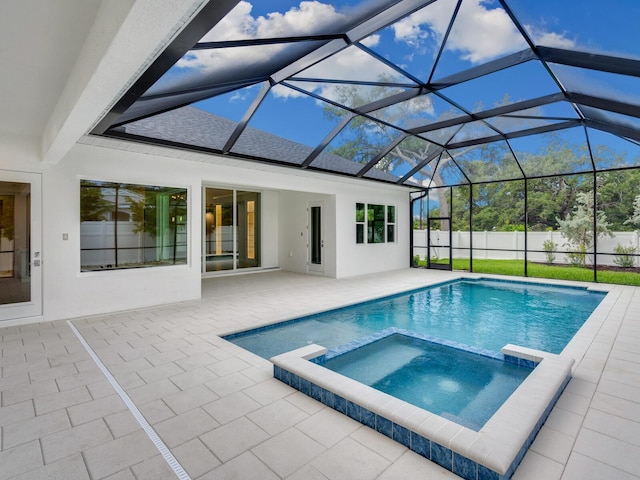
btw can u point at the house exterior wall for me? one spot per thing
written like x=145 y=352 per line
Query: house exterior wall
x=360 y=259
x=68 y=293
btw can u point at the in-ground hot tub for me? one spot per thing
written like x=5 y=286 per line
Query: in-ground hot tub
x=492 y=452
x=459 y=382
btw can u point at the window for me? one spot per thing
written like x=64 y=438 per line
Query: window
x=379 y=222
x=391 y=224
x=130 y=226
x=375 y=223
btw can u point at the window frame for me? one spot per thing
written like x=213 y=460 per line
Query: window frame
x=371 y=222
x=169 y=228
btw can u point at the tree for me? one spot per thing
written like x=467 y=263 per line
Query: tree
x=616 y=193
x=363 y=139
x=94 y=207
x=635 y=218
x=6 y=217
x=578 y=228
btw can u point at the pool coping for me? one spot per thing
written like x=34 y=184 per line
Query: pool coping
x=493 y=452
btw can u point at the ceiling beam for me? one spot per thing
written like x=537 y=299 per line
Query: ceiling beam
x=484 y=69
x=521 y=133
x=604 y=104
x=494 y=112
x=615 y=129
x=591 y=61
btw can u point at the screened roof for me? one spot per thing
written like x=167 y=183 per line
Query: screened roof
x=416 y=93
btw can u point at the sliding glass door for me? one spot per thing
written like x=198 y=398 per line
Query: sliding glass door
x=231 y=229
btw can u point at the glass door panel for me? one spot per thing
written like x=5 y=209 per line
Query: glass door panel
x=248 y=241
x=231 y=229
x=219 y=230
x=316 y=238
x=20 y=260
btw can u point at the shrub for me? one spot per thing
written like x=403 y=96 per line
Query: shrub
x=578 y=258
x=549 y=247
x=624 y=256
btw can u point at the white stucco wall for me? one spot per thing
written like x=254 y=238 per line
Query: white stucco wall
x=68 y=293
x=359 y=259
x=293 y=247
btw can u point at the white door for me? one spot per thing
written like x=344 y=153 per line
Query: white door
x=20 y=245
x=315 y=245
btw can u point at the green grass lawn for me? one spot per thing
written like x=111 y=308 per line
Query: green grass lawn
x=516 y=268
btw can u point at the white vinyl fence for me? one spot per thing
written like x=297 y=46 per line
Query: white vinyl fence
x=511 y=245
x=97 y=244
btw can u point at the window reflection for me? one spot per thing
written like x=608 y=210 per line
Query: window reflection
x=15 y=239
x=130 y=226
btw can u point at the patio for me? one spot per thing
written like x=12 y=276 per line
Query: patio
x=220 y=413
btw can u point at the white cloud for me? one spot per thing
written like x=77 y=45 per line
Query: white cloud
x=280 y=91
x=237 y=24
x=371 y=41
x=242 y=95
x=308 y=17
x=435 y=17
x=479 y=34
x=240 y=24
x=551 y=39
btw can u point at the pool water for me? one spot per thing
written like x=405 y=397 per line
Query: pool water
x=464 y=387
x=487 y=314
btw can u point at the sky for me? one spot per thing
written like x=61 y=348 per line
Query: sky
x=483 y=31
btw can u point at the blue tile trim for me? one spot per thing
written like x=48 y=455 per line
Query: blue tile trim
x=361 y=342
x=443 y=456
x=486 y=474
x=340 y=404
x=420 y=445
x=532 y=435
x=402 y=435
x=511 y=359
x=368 y=417
x=521 y=362
x=408 y=292
x=231 y=336
x=417 y=443
x=465 y=468
x=305 y=386
x=354 y=411
x=384 y=426
x=327 y=397
x=522 y=282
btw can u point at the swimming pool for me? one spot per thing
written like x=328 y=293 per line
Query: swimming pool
x=516 y=322
x=484 y=313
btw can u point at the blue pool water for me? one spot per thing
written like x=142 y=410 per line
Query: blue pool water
x=487 y=314
x=464 y=387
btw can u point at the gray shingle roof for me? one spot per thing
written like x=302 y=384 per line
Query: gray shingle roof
x=192 y=126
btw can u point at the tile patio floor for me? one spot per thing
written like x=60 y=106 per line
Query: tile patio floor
x=222 y=416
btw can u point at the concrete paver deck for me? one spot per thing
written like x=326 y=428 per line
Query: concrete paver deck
x=221 y=414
